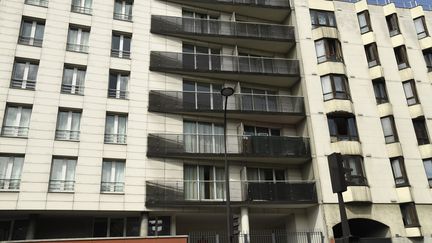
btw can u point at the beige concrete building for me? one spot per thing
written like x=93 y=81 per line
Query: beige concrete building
x=112 y=119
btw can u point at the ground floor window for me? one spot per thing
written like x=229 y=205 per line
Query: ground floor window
x=116 y=227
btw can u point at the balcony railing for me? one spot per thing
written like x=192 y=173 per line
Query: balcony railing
x=178 y=101
x=213 y=63
x=41 y=3
x=266 y=236
x=79 y=9
x=112 y=187
x=120 y=54
x=10 y=184
x=120 y=16
x=238 y=146
x=178 y=25
x=118 y=94
x=115 y=138
x=213 y=192
x=67 y=135
x=77 y=48
x=23 y=84
x=263 y=3
x=61 y=185
x=23 y=40
x=15 y=131
x=72 y=89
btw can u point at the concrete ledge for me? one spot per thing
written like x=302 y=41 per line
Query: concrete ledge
x=413 y=232
x=322 y=5
x=338 y=105
x=376 y=72
x=404 y=194
x=385 y=109
x=368 y=38
x=35 y=11
x=331 y=67
x=361 y=6
x=325 y=32
x=426 y=43
x=406 y=74
x=357 y=194
x=77 y=58
x=389 y=9
x=425 y=151
x=417 y=12
x=30 y=52
x=120 y=64
x=416 y=111
x=397 y=40
x=394 y=150
x=347 y=147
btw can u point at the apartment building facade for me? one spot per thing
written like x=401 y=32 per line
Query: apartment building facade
x=113 y=118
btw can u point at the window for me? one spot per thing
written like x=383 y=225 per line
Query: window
x=322 y=18
x=202 y=96
x=409 y=215
x=123 y=10
x=195 y=22
x=120 y=46
x=261 y=131
x=10 y=171
x=364 y=22
x=41 y=3
x=421 y=131
x=265 y=175
x=401 y=57
x=13 y=229
x=428 y=169
x=380 y=91
x=259 y=100
x=32 y=32
x=389 y=129
x=24 y=74
x=372 y=55
x=202 y=58
x=420 y=26
x=16 y=121
x=393 y=24
x=73 y=80
x=353 y=166
x=399 y=172
x=116 y=227
x=116 y=128
x=160 y=225
x=68 y=125
x=62 y=174
x=335 y=87
x=328 y=50
x=410 y=92
x=203 y=137
x=78 y=38
x=81 y=6
x=118 y=85
x=204 y=182
x=342 y=128
x=428 y=59
x=113 y=176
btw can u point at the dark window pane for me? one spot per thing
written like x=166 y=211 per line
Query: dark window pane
x=116 y=227
x=100 y=227
x=133 y=227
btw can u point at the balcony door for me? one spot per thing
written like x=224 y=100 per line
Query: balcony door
x=202 y=96
x=258 y=100
x=262 y=141
x=201 y=58
x=203 y=182
x=200 y=23
x=203 y=137
x=265 y=184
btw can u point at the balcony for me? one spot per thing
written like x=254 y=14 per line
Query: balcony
x=72 y=89
x=293 y=150
x=266 y=37
x=30 y=41
x=115 y=138
x=273 y=10
x=15 y=131
x=23 y=84
x=260 y=70
x=81 y=9
x=77 y=48
x=212 y=193
x=67 y=135
x=10 y=184
x=61 y=186
x=264 y=108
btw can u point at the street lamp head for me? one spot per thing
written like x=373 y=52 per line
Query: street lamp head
x=227 y=91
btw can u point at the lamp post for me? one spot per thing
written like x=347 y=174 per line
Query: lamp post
x=227 y=92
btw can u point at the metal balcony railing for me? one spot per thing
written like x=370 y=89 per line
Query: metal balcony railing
x=77 y=48
x=67 y=135
x=263 y=3
x=205 y=144
x=265 y=236
x=112 y=187
x=72 y=89
x=41 y=3
x=79 y=9
x=177 y=101
x=120 y=16
x=118 y=94
x=23 y=84
x=10 y=184
x=15 y=131
x=120 y=54
x=195 y=191
x=24 y=40
x=115 y=138
x=197 y=62
x=61 y=185
x=178 y=25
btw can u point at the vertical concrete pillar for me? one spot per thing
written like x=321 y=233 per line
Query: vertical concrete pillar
x=173 y=225
x=144 y=224
x=31 y=230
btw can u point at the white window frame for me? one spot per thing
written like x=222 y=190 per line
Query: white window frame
x=112 y=178
x=209 y=53
x=120 y=50
x=74 y=88
x=124 y=15
x=64 y=162
x=10 y=165
x=118 y=89
x=17 y=120
x=266 y=95
x=197 y=135
x=116 y=127
x=211 y=92
x=198 y=182
x=32 y=32
x=26 y=73
x=69 y=124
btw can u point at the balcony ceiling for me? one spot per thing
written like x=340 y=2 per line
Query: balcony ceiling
x=221 y=204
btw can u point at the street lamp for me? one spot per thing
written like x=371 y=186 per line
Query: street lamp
x=227 y=92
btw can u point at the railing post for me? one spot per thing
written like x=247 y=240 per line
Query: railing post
x=273 y=237
x=217 y=238
x=308 y=236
